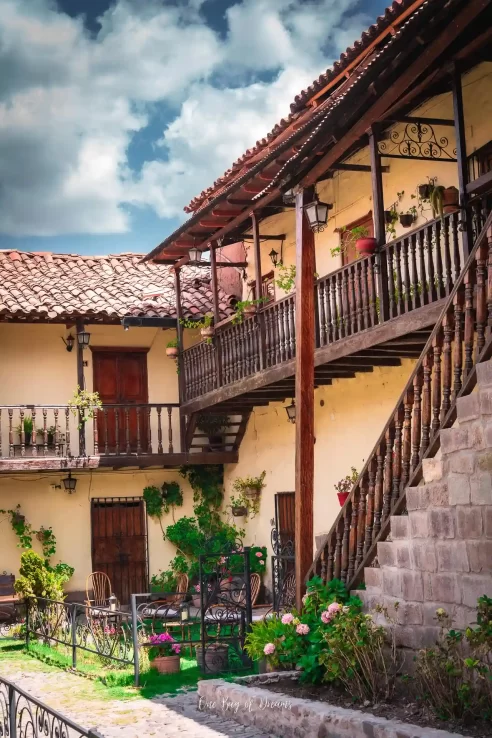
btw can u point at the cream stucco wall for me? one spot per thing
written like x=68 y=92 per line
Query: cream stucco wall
x=350 y=192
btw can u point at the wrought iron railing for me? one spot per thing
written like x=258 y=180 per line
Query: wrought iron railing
x=37 y=431
x=446 y=370
x=24 y=716
x=413 y=271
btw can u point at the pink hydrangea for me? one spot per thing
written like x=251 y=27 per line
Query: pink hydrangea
x=325 y=617
x=262 y=562
x=197 y=588
x=176 y=648
x=269 y=649
x=288 y=618
x=302 y=629
x=334 y=608
x=259 y=554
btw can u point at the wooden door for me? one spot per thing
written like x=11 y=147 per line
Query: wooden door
x=120 y=378
x=285 y=509
x=119 y=544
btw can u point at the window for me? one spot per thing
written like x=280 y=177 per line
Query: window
x=267 y=288
x=350 y=254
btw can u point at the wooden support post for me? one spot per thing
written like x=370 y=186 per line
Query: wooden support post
x=459 y=127
x=379 y=224
x=79 y=325
x=181 y=377
x=259 y=287
x=215 y=296
x=304 y=455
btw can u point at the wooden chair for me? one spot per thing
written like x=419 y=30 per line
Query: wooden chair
x=100 y=585
x=8 y=597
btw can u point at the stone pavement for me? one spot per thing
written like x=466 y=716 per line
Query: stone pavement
x=77 y=698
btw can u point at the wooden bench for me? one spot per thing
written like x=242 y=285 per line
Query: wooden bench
x=8 y=597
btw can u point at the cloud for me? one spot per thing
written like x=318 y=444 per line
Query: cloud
x=71 y=103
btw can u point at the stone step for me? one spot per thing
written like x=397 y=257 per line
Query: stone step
x=399 y=527
x=433 y=494
x=437 y=522
x=372 y=577
x=432 y=469
x=484 y=374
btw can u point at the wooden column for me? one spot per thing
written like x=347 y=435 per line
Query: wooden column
x=259 y=286
x=181 y=378
x=379 y=224
x=79 y=325
x=459 y=128
x=215 y=297
x=304 y=382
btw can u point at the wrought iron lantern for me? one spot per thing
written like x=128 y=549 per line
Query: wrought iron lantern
x=69 y=483
x=289 y=197
x=84 y=339
x=69 y=341
x=195 y=255
x=112 y=601
x=317 y=214
x=291 y=412
x=184 y=610
x=274 y=257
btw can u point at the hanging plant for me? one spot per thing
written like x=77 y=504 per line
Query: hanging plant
x=85 y=405
x=246 y=307
x=250 y=487
x=205 y=325
x=172 y=348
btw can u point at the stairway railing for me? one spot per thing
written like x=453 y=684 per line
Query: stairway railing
x=446 y=370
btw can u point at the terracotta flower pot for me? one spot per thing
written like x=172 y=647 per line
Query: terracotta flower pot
x=406 y=219
x=167 y=664
x=366 y=246
x=207 y=332
x=342 y=497
x=172 y=352
x=450 y=200
x=250 y=309
x=252 y=493
x=239 y=511
x=424 y=191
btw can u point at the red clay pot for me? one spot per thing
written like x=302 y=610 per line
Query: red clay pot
x=166 y=664
x=342 y=497
x=366 y=246
x=450 y=200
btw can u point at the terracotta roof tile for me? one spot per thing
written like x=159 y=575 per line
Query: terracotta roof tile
x=109 y=287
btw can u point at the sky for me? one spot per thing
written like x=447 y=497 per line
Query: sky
x=114 y=115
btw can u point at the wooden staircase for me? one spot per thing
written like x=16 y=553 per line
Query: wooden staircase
x=445 y=372
x=198 y=442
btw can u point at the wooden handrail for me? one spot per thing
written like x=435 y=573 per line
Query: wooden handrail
x=446 y=370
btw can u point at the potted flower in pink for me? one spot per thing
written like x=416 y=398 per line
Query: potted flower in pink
x=164 y=653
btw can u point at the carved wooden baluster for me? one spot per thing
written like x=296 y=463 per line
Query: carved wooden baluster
x=170 y=429
x=352 y=299
x=341 y=308
x=22 y=433
x=322 y=567
x=456 y=244
x=397 y=454
x=458 y=337
x=361 y=521
x=68 y=450
x=426 y=401
x=281 y=332
x=371 y=488
x=406 y=276
x=335 y=313
x=269 y=336
x=372 y=290
x=149 y=430
x=105 y=431
x=447 y=364
x=116 y=413
x=424 y=285
x=388 y=472
x=353 y=533
x=489 y=282
x=436 y=382
x=481 y=298
x=416 y=302
x=328 y=315
x=407 y=438
x=346 y=302
x=391 y=282
x=292 y=329
x=378 y=493
x=448 y=278
x=96 y=434
x=159 y=431
x=57 y=433
x=34 y=446
x=400 y=306
x=358 y=295
x=439 y=270
x=416 y=419
x=139 y=442
x=469 y=322
x=321 y=312
x=127 y=431
x=366 y=315
x=345 y=540
x=45 y=431
x=11 y=433
x=1 y=432
x=331 y=558
x=338 y=549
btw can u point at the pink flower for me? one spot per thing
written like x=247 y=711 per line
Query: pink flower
x=288 y=618
x=334 y=608
x=262 y=563
x=197 y=588
x=176 y=648
x=269 y=649
x=259 y=554
x=325 y=617
x=302 y=629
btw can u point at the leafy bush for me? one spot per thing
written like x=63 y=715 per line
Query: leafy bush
x=455 y=677
x=38 y=579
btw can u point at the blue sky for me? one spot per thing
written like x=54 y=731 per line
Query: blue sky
x=113 y=115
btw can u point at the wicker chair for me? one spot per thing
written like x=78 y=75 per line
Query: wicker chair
x=100 y=585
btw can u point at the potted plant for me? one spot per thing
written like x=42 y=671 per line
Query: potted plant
x=424 y=191
x=50 y=432
x=205 y=325
x=443 y=200
x=246 y=308
x=451 y=200
x=214 y=426
x=85 y=405
x=216 y=657
x=27 y=427
x=250 y=487
x=409 y=217
x=172 y=348
x=239 y=506
x=365 y=245
x=344 y=486
x=164 y=653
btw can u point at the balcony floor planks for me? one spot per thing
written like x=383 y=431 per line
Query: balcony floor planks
x=372 y=343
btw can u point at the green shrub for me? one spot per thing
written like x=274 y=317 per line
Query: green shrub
x=38 y=579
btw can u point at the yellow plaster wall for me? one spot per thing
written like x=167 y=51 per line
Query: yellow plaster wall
x=349 y=417
x=69 y=515
x=350 y=192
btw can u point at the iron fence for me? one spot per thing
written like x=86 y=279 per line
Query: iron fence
x=22 y=716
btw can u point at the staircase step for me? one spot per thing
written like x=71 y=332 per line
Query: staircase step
x=468 y=407
x=399 y=526
x=484 y=374
x=434 y=494
x=372 y=577
x=432 y=469
x=432 y=523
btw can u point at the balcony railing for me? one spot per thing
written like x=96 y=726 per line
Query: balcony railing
x=47 y=431
x=413 y=271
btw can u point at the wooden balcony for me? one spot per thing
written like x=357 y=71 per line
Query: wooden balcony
x=37 y=437
x=374 y=311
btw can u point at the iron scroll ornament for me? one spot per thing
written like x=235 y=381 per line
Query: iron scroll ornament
x=417 y=141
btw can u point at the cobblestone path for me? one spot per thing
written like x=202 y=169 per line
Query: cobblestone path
x=164 y=716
